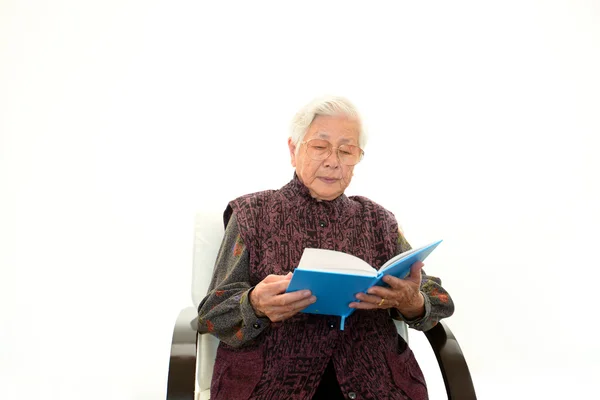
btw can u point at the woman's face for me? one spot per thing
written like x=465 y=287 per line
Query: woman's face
x=326 y=179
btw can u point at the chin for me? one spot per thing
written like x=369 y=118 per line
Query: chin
x=323 y=191
x=327 y=195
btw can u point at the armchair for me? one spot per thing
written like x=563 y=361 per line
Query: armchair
x=192 y=355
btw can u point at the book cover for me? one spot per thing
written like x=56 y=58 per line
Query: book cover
x=335 y=278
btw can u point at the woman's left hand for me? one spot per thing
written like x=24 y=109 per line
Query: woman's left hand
x=403 y=294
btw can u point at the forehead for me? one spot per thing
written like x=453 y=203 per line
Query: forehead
x=334 y=128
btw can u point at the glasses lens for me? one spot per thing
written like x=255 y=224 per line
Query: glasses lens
x=318 y=149
x=349 y=155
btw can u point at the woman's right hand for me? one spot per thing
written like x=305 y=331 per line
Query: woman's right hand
x=269 y=299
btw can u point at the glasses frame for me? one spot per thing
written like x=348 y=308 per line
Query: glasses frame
x=331 y=148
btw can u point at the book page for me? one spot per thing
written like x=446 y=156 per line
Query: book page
x=334 y=261
x=410 y=256
x=398 y=257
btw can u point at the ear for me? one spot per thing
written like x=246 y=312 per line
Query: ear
x=292 y=148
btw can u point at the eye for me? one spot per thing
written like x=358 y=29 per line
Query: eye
x=319 y=147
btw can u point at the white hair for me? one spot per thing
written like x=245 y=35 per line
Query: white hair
x=328 y=106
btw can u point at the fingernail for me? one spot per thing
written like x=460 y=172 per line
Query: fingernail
x=313 y=299
x=306 y=293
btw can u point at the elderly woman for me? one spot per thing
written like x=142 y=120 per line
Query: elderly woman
x=268 y=348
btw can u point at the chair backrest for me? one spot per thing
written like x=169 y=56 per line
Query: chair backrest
x=208 y=234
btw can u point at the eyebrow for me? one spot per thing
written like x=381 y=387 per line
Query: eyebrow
x=325 y=135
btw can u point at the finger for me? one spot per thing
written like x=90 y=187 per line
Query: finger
x=363 y=305
x=279 y=317
x=369 y=298
x=289 y=299
x=277 y=287
x=302 y=304
x=274 y=278
x=395 y=283
x=391 y=293
x=280 y=313
x=415 y=271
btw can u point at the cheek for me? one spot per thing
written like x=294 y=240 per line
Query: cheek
x=311 y=167
x=348 y=172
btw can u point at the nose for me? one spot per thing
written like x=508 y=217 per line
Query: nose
x=333 y=161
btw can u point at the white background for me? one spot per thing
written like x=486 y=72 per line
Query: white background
x=120 y=119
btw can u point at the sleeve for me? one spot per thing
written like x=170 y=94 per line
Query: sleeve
x=226 y=311
x=438 y=303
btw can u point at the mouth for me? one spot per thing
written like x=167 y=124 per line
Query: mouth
x=328 y=180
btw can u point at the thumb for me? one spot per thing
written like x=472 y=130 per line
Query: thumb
x=289 y=276
x=415 y=271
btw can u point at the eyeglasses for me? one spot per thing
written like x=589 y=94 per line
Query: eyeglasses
x=319 y=150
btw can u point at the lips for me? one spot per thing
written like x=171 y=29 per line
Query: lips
x=328 y=180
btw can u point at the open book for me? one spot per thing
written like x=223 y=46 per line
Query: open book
x=335 y=277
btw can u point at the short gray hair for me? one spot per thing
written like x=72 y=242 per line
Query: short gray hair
x=329 y=106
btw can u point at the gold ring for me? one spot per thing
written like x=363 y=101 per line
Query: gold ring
x=381 y=302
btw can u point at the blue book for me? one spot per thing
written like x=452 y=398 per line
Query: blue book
x=335 y=277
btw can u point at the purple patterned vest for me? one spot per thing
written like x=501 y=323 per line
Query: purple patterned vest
x=288 y=359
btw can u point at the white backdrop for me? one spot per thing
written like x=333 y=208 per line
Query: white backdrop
x=120 y=119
